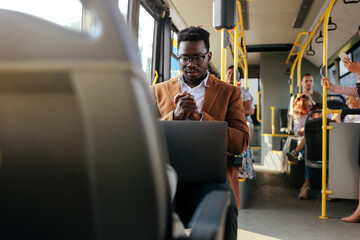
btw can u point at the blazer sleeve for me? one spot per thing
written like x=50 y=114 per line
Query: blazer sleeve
x=167 y=116
x=238 y=131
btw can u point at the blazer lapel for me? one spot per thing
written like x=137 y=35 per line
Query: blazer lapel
x=173 y=88
x=211 y=93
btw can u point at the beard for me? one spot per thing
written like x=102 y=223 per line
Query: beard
x=195 y=81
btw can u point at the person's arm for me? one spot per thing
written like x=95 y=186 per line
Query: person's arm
x=301 y=131
x=238 y=131
x=351 y=91
x=353 y=67
x=247 y=108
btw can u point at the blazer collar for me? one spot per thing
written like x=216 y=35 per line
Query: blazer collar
x=211 y=93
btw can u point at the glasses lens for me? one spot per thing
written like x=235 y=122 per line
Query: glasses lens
x=184 y=60
x=198 y=60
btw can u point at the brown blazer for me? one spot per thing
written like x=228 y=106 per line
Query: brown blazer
x=222 y=102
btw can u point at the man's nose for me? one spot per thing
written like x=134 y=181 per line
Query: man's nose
x=191 y=62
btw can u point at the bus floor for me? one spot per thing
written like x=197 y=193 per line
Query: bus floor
x=275 y=212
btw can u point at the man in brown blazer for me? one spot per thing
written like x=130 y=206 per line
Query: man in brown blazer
x=197 y=95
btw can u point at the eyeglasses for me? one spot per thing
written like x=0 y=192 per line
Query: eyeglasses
x=198 y=59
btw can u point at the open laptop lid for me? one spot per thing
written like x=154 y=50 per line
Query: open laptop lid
x=197 y=149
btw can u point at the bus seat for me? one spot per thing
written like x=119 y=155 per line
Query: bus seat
x=81 y=152
x=344 y=147
x=313 y=142
x=283 y=120
x=337 y=101
x=336 y=104
x=349 y=111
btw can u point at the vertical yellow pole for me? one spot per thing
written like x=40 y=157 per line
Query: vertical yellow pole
x=236 y=55
x=272 y=120
x=299 y=71
x=292 y=75
x=324 y=126
x=258 y=108
x=223 y=56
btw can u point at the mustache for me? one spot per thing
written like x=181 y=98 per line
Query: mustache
x=192 y=70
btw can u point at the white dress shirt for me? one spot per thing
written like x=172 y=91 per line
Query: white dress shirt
x=198 y=92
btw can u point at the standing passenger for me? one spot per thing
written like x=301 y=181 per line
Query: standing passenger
x=197 y=95
x=307 y=85
x=247 y=163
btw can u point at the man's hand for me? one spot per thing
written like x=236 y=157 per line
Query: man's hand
x=353 y=67
x=327 y=82
x=185 y=107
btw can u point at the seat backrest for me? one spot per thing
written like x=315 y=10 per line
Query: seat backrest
x=336 y=104
x=80 y=147
x=283 y=118
x=336 y=101
x=313 y=142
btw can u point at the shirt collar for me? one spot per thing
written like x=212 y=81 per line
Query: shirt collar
x=204 y=82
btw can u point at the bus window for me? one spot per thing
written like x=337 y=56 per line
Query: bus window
x=332 y=74
x=175 y=68
x=123 y=7
x=356 y=54
x=67 y=13
x=146 y=41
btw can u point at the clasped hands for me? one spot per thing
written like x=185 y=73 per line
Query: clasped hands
x=186 y=107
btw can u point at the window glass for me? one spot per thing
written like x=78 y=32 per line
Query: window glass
x=67 y=13
x=123 y=6
x=146 y=41
x=349 y=80
x=356 y=54
x=175 y=68
x=253 y=86
x=331 y=74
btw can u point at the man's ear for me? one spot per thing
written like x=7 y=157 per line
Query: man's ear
x=210 y=55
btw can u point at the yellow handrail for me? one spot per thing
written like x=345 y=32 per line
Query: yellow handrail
x=324 y=126
x=258 y=108
x=295 y=44
x=223 y=56
x=236 y=56
x=272 y=120
x=292 y=75
x=311 y=35
x=156 y=77
x=242 y=50
x=239 y=46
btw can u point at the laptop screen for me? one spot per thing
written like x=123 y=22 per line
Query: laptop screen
x=197 y=149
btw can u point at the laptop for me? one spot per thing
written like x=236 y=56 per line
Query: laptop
x=197 y=150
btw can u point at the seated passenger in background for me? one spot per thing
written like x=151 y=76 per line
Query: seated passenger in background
x=197 y=95
x=246 y=163
x=300 y=148
x=302 y=107
x=352 y=102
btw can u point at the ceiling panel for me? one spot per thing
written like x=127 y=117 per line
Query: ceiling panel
x=270 y=22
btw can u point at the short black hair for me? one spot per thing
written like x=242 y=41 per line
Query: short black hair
x=194 y=34
x=230 y=67
x=306 y=75
x=317 y=106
